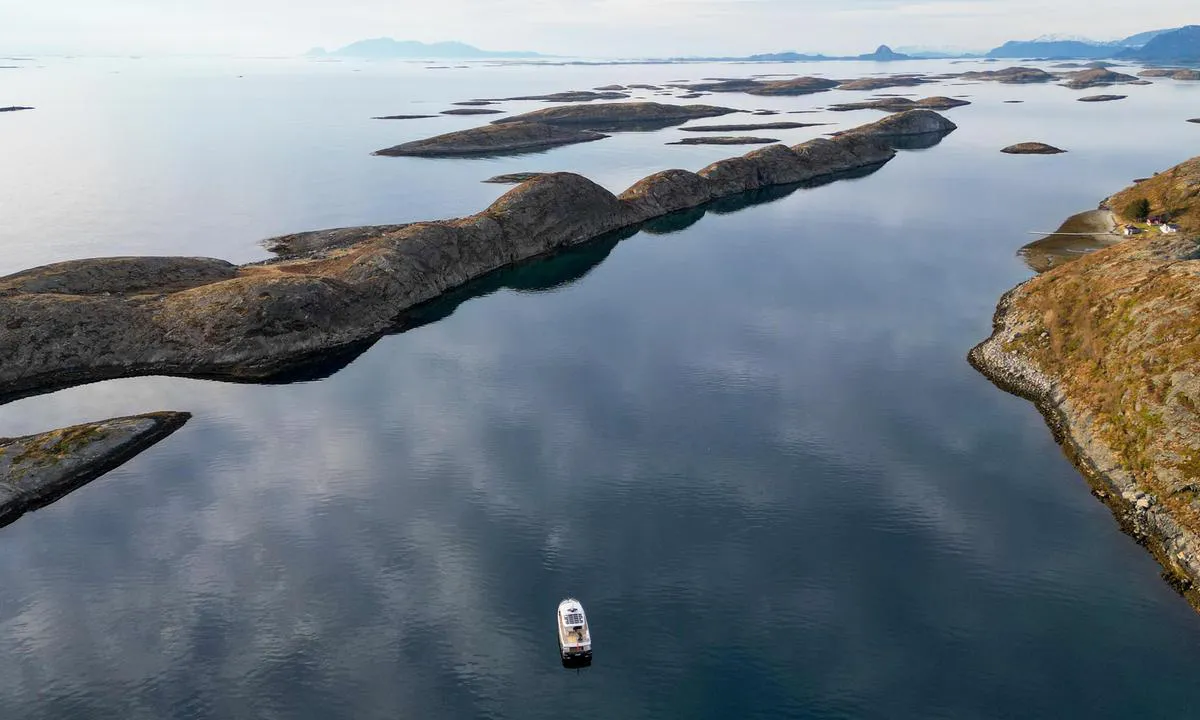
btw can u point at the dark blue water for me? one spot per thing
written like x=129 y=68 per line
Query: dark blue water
x=752 y=447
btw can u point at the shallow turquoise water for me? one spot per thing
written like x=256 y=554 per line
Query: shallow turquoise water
x=753 y=447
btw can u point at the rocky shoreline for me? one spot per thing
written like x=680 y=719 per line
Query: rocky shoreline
x=37 y=470
x=1105 y=345
x=340 y=290
x=1175 y=547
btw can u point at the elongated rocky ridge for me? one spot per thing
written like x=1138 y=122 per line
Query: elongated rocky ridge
x=38 y=469
x=1106 y=347
x=88 y=320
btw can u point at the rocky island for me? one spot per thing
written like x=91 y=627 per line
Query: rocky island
x=724 y=140
x=403 y=117
x=571 y=96
x=514 y=178
x=1171 y=73
x=89 y=320
x=879 y=83
x=616 y=116
x=14 y=108
x=36 y=470
x=752 y=86
x=472 y=111
x=900 y=104
x=1102 y=98
x=1096 y=78
x=1107 y=347
x=1011 y=76
x=1032 y=148
x=750 y=127
x=494 y=140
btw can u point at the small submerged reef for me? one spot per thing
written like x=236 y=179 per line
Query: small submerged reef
x=1108 y=347
x=333 y=293
x=36 y=470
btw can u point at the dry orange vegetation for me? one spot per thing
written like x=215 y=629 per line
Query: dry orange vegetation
x=1176 y=192
x=1119 y=331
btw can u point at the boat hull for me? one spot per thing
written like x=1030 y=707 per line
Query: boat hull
x=573 y=662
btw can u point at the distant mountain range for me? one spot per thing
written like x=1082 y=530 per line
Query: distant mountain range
x=1171 y=44
x=1167 y=45
x=387 y=49
x=882 y=54
x=1182 y=45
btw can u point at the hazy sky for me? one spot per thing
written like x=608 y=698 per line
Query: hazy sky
x=568 y=27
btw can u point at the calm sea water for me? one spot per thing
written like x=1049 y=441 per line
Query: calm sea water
x=752 y=446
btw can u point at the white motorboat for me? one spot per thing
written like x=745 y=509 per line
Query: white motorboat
x=574 y=636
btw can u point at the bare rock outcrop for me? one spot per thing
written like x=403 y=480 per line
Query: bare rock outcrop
x=754 y=86
x=513 y=178
x=725 y=140
x=572 y=96
x=38 y=469
x=795 y=86
x=1096 y=78
x=495 y=139
x=911 y=122
x=879 y=83
x=1171 y=73
x=1032 y=148
x=117 y=276
x=337 y=291
x=900 y=104
x=750 y=127
x=609 y=115
x=307 y=243
x=467 y=111
x=731 y=176
x=1011 y=75
x=667 y=192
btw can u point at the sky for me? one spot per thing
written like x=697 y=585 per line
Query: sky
x=594 y=28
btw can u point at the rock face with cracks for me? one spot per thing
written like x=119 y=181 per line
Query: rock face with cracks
x=38 y=469
x=339 y=290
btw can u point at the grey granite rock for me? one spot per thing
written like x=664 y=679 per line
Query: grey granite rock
x=38 y=469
